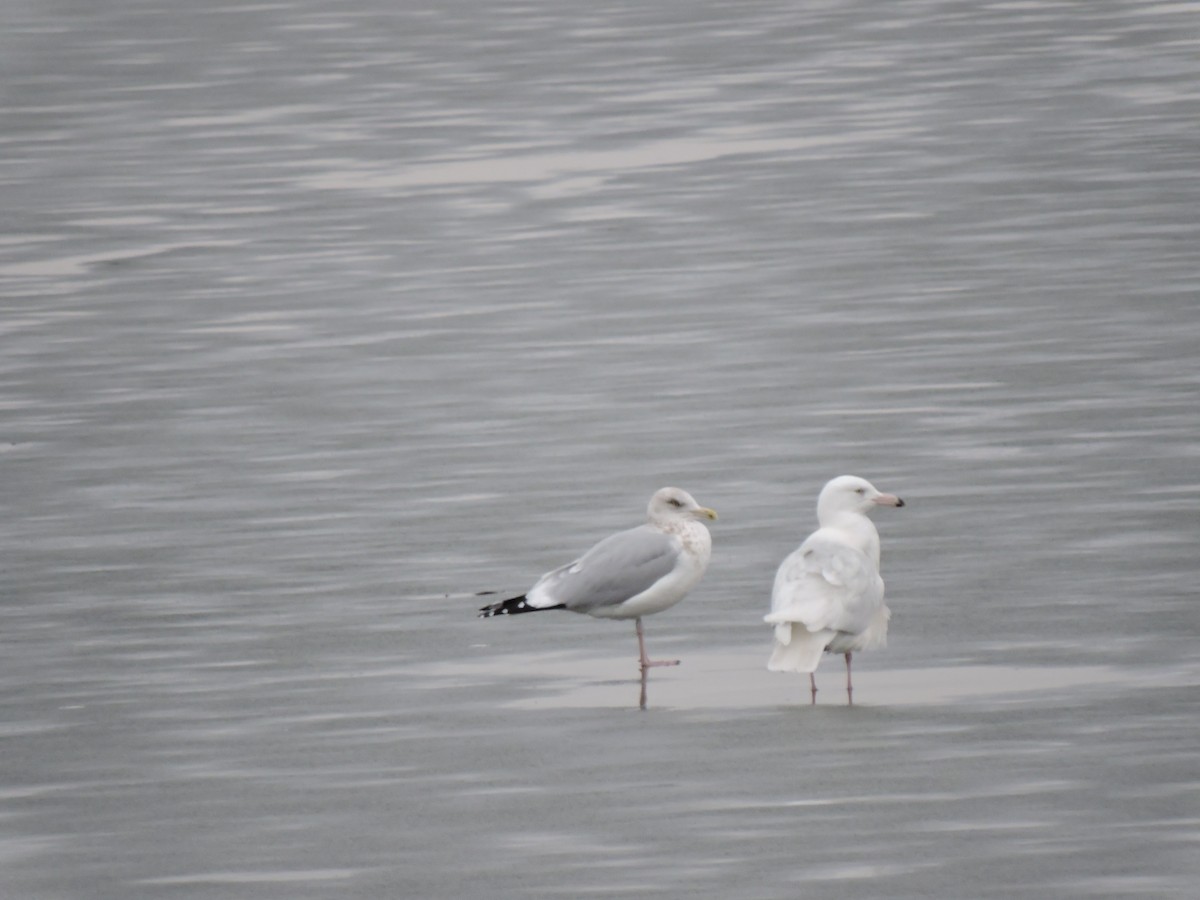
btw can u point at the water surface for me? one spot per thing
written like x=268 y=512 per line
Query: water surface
x=318 y=320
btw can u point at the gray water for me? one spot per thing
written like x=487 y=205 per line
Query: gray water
x=320 y=318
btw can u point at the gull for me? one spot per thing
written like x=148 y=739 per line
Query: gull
x=828 y=595
x=630 y=574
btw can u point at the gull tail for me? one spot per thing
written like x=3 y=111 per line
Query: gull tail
x=512 y=607
x=796 y=648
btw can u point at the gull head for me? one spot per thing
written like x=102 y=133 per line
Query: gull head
x=674 y=503
x=849 y=493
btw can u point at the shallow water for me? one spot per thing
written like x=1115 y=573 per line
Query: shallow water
x=317 y=321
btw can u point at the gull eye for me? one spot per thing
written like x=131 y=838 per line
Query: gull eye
x=676 y=502
x=859 y=491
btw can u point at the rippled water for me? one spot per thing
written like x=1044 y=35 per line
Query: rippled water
x=318 y=319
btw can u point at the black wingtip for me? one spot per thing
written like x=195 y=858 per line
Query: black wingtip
x=508 y=607
x=511 y=607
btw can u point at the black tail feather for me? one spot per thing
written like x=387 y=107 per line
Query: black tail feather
x=512 y=607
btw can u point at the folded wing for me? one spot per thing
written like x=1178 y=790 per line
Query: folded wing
x=826 y=585
x=621 y=566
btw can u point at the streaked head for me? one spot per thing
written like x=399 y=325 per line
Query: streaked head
x=675 y=503
x=849 y=493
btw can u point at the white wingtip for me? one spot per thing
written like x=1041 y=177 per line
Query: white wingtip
x=801 y=653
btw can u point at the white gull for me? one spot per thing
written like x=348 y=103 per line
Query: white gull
x=828 y=594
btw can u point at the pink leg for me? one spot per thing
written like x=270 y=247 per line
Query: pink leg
x=849 y=686
x=812 y=682
x=645 y=661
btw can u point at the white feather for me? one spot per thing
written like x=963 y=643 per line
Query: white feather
x=828 y=594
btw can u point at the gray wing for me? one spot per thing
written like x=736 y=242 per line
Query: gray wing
x=619 y=567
